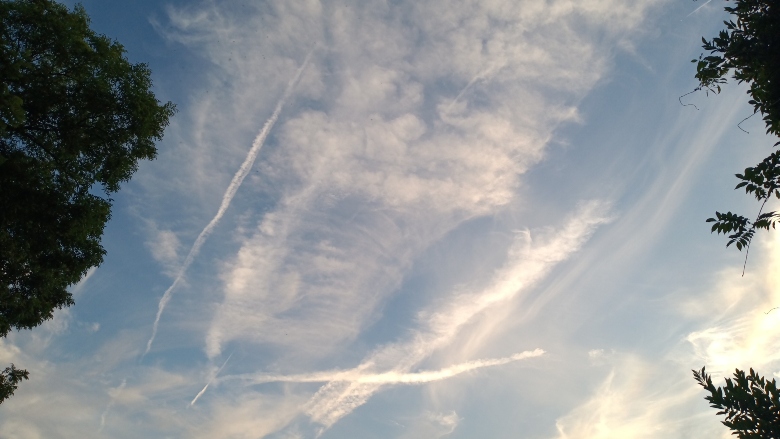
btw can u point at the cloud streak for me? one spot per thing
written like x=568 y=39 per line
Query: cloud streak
x=235 y=183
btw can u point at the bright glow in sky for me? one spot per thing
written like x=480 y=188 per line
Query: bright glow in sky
x=411 y=219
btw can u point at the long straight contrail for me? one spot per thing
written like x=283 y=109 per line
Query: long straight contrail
x=195 y=399
x=697 y=9
x=392 y=377
x=238 y=178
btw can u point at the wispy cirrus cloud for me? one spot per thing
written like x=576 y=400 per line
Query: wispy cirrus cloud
x=638 y=399
x=728 y=327
x=742 y=327
x=410 y=121
x=403 y=146
x=526 y=265
x=401 y=220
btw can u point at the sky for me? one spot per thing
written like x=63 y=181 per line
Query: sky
x=404 y=219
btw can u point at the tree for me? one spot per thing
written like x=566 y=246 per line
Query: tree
x=75 y=118
x=749 y=51
x=750 y=402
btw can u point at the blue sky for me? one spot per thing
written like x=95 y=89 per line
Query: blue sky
x=390 y=219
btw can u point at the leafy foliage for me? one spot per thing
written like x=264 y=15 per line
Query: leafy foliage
x=9 y=381
x=750 y=402
x=749 y=50
x=750 y=47
x=761 y=181
x=75 y=118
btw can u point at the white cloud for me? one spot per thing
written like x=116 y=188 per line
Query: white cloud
x=431 y=426
x=411 y=119
x=449 y=420
x=639 y=400
x=727 y=327
x=526 y=265
x=391 y=138
x=165 y=248
x=599 y=357
x=741 y=332
x=248 y=415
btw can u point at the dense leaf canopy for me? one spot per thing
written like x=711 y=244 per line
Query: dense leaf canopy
x=75 y=119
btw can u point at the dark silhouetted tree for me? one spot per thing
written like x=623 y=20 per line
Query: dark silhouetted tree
x=748 y=50
x=75 y=118
x=750 y=403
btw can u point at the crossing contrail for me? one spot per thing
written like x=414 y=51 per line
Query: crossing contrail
x=238 y=178
x=526 y=265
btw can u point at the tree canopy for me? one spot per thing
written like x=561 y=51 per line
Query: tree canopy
x=749 y=50
x=75 y=119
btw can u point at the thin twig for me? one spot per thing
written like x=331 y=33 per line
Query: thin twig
x=747 y=248
x=738 y=125
x=686 y=94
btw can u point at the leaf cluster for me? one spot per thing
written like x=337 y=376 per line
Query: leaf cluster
x=9 y=381
x=750 y=403
x=750 y=48
x=762 y=181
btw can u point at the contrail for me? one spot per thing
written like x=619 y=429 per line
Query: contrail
x=194 y=400
x=110 y=404
x=526 y=265
x=392 y=377
x=697 y=9
x=238 y=178
x=478 y=77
